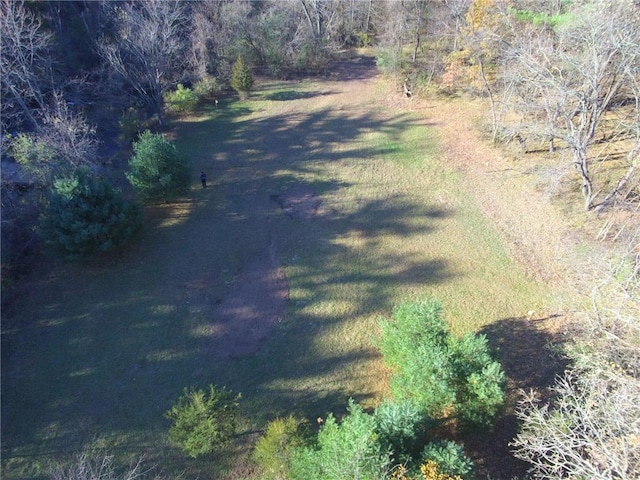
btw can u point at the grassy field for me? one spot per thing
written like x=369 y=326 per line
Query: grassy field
x=95 y=354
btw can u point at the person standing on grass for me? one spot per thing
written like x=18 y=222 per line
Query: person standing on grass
x=203 y=179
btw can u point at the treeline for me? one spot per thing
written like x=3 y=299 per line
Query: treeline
x=81 y=79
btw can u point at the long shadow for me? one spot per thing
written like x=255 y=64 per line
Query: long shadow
x=293 y=94
x=530 y=360
x=103 y=351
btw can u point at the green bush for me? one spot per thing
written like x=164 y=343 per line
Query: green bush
x=479 y=380
x=87 y=216
x=202 y=422
x=241 y=77
x=346 y=450
x=129 y=124
x=158 y=172
x=389 y=60
x=400 y=425
x=414 y=345
x=437 y=371
x=450 y=458
x=272 y=452
x=207 y=88
x=37 y=158
x=182 y=100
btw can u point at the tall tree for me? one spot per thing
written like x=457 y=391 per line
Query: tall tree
x=150 y=46
x=578 y=75
x=25 y=62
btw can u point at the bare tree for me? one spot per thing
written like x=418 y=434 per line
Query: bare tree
x=25 y=62
x=149 y=50
x=458 y=10
x=63 y=142
x=630 y=124
x=204 y=51
x=579 y=74
x=591 y=427
x=98 y=465
x=483 y=38
x=320 y=15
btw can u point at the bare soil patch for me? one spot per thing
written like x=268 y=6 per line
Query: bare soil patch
x=300 y=202
x=258 y=298
x=256 y=301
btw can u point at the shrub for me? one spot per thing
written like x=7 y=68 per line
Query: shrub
x=134 y=121
x=399 y=426
x=435 y=370
x=36 y=157
x=450 y=459
x=203 y=422
x=431 y=471
x=130 y=124
x=157 y=170
x=87 y=216
x=389 y=60
x=478 y=378
x=241 y=77
x=207 y=88
x=182 y=100
x=272 y=452
x=346 y=450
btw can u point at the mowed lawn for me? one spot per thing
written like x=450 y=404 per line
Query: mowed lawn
x=96 y=354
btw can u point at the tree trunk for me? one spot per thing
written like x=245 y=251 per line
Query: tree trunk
x=634 y=156
x=494 y=116
x=581 y=163
x=415 y=48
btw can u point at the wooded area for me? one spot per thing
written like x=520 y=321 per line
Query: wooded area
x=84 y=83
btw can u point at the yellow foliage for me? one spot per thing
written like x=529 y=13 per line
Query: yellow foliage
x=482 y=15
x=430 y=471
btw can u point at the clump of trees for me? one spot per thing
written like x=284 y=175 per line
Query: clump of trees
x=76 y=72
x=567 y=71
x=397 y=440
x=574 y=79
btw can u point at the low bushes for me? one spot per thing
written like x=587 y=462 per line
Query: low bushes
x=435 y=375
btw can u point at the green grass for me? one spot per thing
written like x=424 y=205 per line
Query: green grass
x=97 y=354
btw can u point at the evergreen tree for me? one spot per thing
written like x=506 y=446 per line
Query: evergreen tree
x=158 y=172
x=241 y=77
x=438 y=371
x=87 y=216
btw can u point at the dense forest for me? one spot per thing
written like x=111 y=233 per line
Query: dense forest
x=88 y=85
x=80 y=79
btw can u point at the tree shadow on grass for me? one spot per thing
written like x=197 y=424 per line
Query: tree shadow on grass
x=104 y=351
x=530 y=358
x=286 y=95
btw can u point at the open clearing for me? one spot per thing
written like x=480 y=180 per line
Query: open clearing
x=329 y=202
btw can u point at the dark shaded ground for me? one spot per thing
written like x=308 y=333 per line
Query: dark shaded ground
x=527 y=349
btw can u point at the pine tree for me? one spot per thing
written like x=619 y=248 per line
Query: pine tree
x=241 y=78
x=88 y=216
